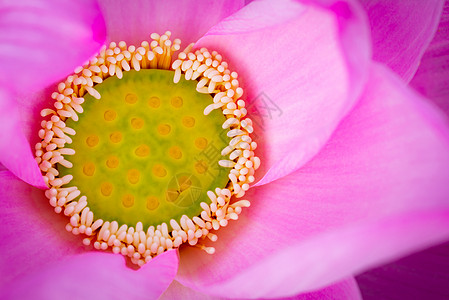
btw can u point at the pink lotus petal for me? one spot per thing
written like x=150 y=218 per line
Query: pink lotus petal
x=424 y=275
x=387 y=163
x=30 y=107
x=97 y=275
x=134 y=21
x=15 y=151
x=344 y=290
x=258 y=16
x=303 y=73
x=401 y=31
x=432 y=77
x=31 y=234
x=46 y=39
x=178 y=291
x=316 y=263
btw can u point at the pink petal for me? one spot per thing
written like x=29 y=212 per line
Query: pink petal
x=15 y=151
x=97 y=275
x=401 y=31
x=31 y=234
x=305 y=73
x=424 y=275
x=46 y=39
x=344 y=290
x=372 y=194
x=134 y=21
x=320 y=261
x=178 y=291
x=432 y=77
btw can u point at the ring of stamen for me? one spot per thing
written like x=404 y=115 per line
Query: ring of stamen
x=213 y=77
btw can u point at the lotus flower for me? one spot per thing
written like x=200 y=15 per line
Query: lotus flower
x=356 y=163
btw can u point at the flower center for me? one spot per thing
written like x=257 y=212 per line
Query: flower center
x=145 y=151
x=132 y=147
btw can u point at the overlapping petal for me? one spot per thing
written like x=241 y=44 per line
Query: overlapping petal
x=41 y=41
x=344 y=290
x=300 y=76
x=134 y=21
x=432 y=77
x=423 y=275
x=380 y=183
x=36 y=249
x=98 y=275
x=401 y=32
x=318 y=262
x=31 y=234
x=381 y=177
x=15 y=151
x=178 y=291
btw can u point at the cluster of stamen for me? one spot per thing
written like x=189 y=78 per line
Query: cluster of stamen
x=214 y=77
